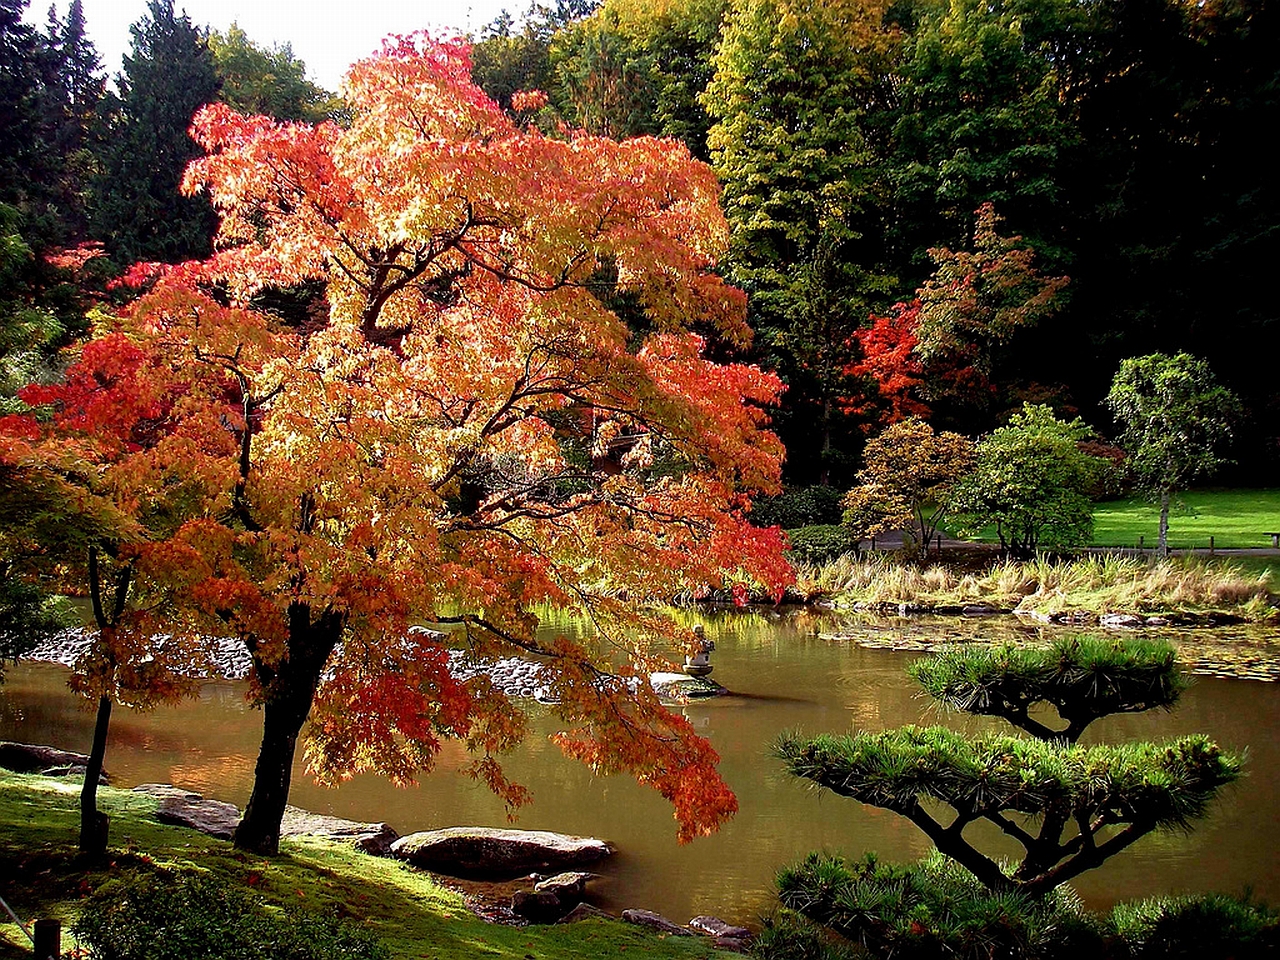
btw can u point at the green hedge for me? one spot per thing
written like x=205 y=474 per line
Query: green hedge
x=820 y=543
x=799 y=507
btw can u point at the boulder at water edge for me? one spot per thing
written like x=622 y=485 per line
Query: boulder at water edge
x=374 y=838
x=37 y=758
x=655 y=921
x=489 y=851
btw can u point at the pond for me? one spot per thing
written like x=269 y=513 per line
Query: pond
x=784 y=676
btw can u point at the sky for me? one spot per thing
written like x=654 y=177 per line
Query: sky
x=326 y=35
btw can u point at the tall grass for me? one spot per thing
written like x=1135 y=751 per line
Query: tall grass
x=1100 y=584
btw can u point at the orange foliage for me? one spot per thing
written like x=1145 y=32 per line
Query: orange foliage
x=416 y=452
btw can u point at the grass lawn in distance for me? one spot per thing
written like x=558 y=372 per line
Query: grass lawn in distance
x=1234 y=518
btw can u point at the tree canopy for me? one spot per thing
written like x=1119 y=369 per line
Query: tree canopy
x=461 y=431
x=1175 y=419
x=1032 y=481
x=1033 y=790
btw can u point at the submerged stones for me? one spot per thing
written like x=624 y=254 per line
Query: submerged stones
x=490 y=851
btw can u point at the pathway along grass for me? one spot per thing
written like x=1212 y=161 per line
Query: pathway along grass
x=403 y=908
x=1234 y=518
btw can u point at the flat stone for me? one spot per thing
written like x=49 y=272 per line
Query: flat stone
x=681 y=686
x=537 y=907
x=981 y=610
x=655 y=921
x=715 y=927
x=165 y=791
x=489 y=851
x=374 y=838
x=733 y=944
x=569 y=886
x=213 y=817
x=1125 y=620
x=585 y=911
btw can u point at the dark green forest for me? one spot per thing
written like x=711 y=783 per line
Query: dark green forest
x=938 y=209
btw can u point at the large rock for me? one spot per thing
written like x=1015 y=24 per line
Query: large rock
x=374 y=838
x=715 y=927
x=655 y=921
x=537 y=907
x=38 y=758
x=488 y=851
x=585 y=911
x=570 y=886
x=183 y=808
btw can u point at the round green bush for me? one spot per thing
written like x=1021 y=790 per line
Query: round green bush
x=163 y=916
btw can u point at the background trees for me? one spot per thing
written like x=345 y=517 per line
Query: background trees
x=1032 y=482
x=1175 y=418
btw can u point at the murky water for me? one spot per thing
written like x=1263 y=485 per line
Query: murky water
x=785 y=677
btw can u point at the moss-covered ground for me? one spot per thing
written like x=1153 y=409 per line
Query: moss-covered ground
x=41 y=875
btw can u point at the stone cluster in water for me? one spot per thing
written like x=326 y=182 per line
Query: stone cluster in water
x=514 y=676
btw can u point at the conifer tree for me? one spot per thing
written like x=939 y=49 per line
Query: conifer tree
x=138 y=211
x=1070 y=807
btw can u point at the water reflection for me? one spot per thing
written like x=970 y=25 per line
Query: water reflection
x=786 y=677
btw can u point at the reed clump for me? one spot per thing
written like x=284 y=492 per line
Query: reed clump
x=1097 y=583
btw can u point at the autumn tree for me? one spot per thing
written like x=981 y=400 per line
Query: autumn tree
x=906 y=482
x=973 y=305
x=415 y=452
x=1031 y=481
x=887 y=358
x=1070 y=807
x=1175 y=418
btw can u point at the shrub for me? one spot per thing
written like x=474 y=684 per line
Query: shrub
x=788 y=936
x=934 y=908
x=1212 y=925
x=161 y=916
x=820 y=544
x=798 y=507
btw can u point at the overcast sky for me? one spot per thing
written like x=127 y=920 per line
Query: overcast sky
x=326 y=35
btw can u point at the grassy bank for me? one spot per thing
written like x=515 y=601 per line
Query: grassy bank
x=1098 y=584
x=1234 y=518
x=414 y=917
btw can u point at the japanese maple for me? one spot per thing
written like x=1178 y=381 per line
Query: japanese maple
x=889 y=360
x=438 y=441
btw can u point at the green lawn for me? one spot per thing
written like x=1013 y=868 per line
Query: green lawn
x=412 y=915
x=1234 y=518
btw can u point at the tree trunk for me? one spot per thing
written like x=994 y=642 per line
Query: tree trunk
x=824 y=475
x=1163 y=550
x=94 y=825
x=289 y=688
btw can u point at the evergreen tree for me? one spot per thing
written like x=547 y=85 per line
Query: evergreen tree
x=793 y=86
x=138 y=211
x=20 y=72
x=73 y=91
x=1070 y=807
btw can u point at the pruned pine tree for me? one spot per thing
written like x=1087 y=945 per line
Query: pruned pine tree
x=1071 y=807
